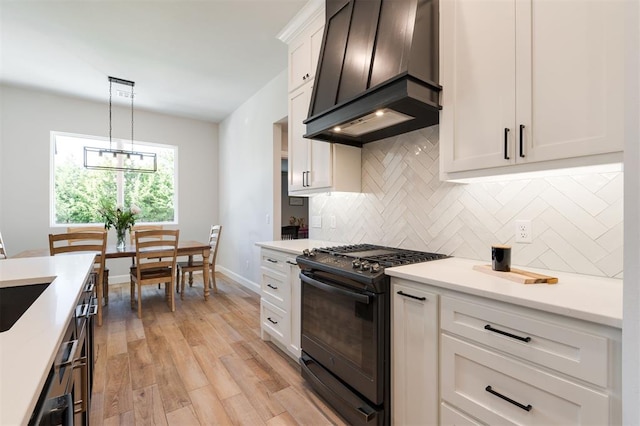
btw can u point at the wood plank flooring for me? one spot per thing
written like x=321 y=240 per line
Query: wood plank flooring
x=204 y=364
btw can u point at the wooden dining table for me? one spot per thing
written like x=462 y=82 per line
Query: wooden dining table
x=185 y=248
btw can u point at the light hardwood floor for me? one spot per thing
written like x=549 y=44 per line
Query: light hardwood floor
x=203 y=364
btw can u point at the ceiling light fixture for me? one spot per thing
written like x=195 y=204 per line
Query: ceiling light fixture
x=120 y=159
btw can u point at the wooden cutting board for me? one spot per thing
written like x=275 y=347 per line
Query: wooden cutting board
x=518 y=275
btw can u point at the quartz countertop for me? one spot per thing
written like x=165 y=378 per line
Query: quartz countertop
x=28 y=348
x=296 y=246
x=586 y=297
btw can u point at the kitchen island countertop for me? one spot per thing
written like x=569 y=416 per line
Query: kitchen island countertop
x=586 y=297
x=28 y=348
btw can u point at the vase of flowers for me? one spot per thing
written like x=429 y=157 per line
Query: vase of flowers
x=121 y=219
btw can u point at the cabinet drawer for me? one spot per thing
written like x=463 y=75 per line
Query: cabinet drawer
x=273 y=260
x=275 y=288
x=274 y=321
x=481 y=382
x=452 y=417
x=568 y=350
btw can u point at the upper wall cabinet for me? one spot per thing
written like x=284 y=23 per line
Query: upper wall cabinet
x=304 y=52
x=527 y=82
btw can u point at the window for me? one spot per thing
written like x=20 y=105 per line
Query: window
x=77 y=193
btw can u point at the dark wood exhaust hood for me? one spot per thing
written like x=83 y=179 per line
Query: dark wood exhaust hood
x=378 y=71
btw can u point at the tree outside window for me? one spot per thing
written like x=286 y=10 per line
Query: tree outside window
x=78 y=192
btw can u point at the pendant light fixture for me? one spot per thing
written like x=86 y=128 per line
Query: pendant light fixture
x=120 y=159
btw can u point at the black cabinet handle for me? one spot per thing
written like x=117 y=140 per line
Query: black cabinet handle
x=504 y=333
x=273 y=287
x=506 y=143
x=271 y=260
x=506 y=398
x=521 y=140
x=401 y=293
x=292 y=263
x=272 y=321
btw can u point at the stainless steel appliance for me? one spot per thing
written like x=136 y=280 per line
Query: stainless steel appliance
x=66 y=395
x=346 y=326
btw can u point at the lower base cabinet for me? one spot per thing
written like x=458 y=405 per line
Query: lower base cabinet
x=459 y=359
x=280 y=302
x=415 y=357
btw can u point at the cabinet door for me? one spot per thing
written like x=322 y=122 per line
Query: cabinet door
x=299 y=63
x=477 y=57
x=321 y=164
x=570 y=68
x=298 y=146
x=415 y=356
x=315 y=42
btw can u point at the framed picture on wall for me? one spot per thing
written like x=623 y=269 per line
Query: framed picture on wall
x=296 y=201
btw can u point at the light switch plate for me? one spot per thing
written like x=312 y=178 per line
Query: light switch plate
x=316 y=221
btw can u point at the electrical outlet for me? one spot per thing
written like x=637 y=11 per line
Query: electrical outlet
x=316 y=221
x=247 y=265
x=332 y=222
x=523 y=231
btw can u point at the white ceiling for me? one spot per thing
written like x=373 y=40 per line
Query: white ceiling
x=197 y=59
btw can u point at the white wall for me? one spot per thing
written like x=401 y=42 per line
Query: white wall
x=247 y=177
x=27 y=118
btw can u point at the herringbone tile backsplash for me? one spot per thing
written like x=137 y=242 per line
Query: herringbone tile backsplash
x=577 y=221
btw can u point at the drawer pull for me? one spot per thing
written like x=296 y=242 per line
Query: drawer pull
x=506 y=398
x=504 y=333
x=401 y=293
x=271 y=286
x=271 y=260
x=272 y=321
x=292 y=263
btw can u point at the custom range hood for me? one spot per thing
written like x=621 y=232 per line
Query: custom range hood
x=378 y=71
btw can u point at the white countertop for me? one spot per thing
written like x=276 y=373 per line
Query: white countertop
x=585 y=297
x=296 y=246
x=28 y=348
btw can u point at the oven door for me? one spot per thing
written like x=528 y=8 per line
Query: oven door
x=343 y=331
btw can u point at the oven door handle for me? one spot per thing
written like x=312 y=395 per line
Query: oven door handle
x=362 y=298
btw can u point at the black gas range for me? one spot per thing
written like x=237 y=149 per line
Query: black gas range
x=345 y=330
x=364 y=263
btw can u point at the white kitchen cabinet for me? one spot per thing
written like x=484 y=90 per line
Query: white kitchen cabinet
x=280 y=301
x=415 y=356
x=316 y=166
x=528 y=82
x=507 y=365
x=304 y=51
x=490 y=362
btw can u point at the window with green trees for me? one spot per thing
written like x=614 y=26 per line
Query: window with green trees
x=78 y=192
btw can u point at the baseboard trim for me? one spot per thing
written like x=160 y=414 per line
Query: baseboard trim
x=255 y=287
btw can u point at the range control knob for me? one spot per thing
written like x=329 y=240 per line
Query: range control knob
x=365 y=266
x=355 y=263
x=375 y=267
x=305 y=252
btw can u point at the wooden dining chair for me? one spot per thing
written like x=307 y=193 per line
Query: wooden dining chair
x=3 y=250
x=105 y=272
x=84 y=242
x=135 y=228
x=197 y=265
x=156 y=252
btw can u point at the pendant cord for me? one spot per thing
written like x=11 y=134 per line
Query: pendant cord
x=131 y=118
x=110 y=86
